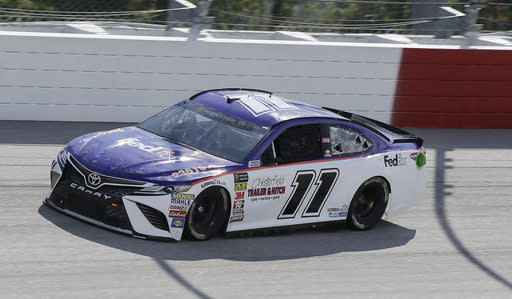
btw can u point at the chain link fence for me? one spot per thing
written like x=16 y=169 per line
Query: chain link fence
x=153 y=11
x=340 y=16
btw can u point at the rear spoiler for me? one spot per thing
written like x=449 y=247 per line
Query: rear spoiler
x=388 y=132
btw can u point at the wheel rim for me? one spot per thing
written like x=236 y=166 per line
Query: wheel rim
x=369 y=200
x=203 y=214
x=365 y=206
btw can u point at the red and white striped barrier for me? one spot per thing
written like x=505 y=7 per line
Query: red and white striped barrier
x=123 y=78
x=441 y=88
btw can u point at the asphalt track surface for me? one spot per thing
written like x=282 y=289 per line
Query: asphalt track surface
x=457 y=244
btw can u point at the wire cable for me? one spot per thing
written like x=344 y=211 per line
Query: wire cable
x=393 y=2
x=95 y=12
x=316 y=25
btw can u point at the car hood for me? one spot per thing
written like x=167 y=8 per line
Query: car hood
x=136 y=154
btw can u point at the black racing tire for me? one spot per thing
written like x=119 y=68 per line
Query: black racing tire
x=207 y=214
x=368 y=204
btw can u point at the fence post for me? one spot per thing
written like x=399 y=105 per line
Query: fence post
x=472 y=29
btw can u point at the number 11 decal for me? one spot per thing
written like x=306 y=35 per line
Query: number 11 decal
x=301 y=185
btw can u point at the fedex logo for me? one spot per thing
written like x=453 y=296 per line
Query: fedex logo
x=393 y=161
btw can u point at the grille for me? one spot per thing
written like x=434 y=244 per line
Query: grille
x=104 y=204
x=155 y=217
x=105 y=180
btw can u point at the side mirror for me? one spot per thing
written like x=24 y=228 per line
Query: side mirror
x=338 y=147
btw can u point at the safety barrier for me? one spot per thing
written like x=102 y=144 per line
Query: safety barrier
x=94 y=77
x=454 y=89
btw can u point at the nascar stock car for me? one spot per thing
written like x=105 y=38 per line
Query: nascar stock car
x=231 y=160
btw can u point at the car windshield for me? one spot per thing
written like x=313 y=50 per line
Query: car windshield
x=216 y=133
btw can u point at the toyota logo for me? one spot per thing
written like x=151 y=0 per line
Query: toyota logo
x=93 y=179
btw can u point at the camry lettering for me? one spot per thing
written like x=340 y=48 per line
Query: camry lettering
x=87 y=191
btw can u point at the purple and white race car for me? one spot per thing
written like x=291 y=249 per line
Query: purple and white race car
x=231 y=160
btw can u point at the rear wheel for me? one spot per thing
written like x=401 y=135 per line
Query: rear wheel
x=368 y=204
x=207 y=214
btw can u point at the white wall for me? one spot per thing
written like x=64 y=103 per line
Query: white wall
x=80 y=77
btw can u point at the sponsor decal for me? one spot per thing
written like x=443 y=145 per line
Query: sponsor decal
x=266 y=191
x=239 y=204
x=254 y=163
x=326 y=140
x=94 y=179
x=276 y=190
x=268 y=181
x=239 y=195
x=160 y=151
x=101 y=134
x=327 y=153
x=192 y=170
x=178 y=222
x=238 y=212
x=183 y=196
x=241 y=187
x=344 y=208
x=179 y=200
x=421 y=159
x=333 y=210
x=87 y=191
x=267 y=187
x=173 y=213
x=333 y=215
x=178 y=208
x=343 y=214
x=396 y=160
x=241 y=177
x=236 y=218
x=212 y=182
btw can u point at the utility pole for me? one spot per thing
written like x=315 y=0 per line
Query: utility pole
x=472 y=29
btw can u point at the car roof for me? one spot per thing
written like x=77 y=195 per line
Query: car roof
x=258 y=106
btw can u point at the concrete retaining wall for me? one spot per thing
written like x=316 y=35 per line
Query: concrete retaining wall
x=92 y=78
x=108 y=78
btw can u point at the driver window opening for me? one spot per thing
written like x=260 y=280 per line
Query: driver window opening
x=300 y=143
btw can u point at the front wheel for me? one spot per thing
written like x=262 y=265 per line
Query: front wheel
x=368 y=204
x=207 y=214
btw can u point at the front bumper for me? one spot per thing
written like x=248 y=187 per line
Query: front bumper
x=116 y=208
